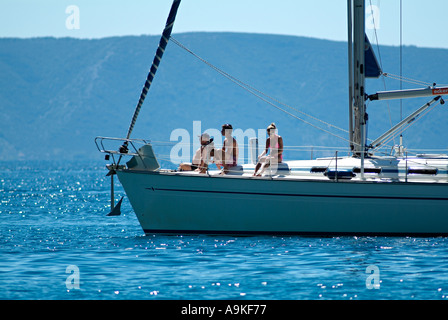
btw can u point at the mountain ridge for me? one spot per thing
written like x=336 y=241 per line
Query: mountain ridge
x=58 y=94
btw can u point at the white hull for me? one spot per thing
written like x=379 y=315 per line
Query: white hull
x=376 y=195
x=173 y=202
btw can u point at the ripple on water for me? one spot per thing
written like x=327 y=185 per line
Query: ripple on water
x=53 y=216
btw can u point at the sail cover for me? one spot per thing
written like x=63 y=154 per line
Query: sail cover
x=155 y=64
x=373 y=69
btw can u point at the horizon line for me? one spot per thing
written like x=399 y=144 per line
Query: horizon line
x=204 y=32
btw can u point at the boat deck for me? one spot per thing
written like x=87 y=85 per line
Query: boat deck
x=377 y=170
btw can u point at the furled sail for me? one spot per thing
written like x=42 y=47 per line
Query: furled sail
x=373 y=69
x=155 y=64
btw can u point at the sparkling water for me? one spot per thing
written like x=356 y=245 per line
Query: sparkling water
x=57 y=243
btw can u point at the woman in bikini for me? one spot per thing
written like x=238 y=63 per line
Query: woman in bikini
x=227 y=157
x=274 y=145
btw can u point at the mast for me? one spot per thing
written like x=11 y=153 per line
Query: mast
x=363 y=64
x=350 y=71
x=357 y=71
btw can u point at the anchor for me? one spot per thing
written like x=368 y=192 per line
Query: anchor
x=115 y=209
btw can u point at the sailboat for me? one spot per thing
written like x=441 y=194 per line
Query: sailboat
x=360 y=194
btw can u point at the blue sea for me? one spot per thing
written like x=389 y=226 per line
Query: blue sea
x=56 y=243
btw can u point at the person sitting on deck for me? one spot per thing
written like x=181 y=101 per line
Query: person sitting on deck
x=227 y=157
x=274 y=142
x=202 y=156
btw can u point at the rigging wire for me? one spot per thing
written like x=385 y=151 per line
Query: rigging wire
x=381 y=62
x=264 y=97
x=400 y=77
x=401 y=57
x=270 y=100
x=406 y=79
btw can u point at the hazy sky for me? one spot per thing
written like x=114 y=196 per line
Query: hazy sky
x=424 y=22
